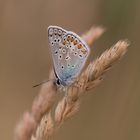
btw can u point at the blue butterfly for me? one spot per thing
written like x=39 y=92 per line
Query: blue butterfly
x=69 y=54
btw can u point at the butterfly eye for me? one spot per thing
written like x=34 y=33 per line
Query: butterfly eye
x=62 y=67
x=58 y=81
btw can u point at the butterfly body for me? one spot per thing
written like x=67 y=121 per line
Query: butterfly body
x=69 y=54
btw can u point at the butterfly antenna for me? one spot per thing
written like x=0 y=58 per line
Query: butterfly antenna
x=41 y=83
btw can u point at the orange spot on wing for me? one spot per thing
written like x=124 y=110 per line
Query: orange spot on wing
x=68 y=39
x=75 y=42
x=79 y=46
x=71 y=39
x=64 y=43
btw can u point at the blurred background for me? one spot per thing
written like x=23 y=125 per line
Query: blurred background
x=109 y=112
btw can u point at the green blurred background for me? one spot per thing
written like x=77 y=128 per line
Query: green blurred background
x=109 y=112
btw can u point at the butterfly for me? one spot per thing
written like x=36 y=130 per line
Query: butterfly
x=69 y=53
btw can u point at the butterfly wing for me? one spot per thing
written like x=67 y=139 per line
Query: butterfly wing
x=69 y=53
